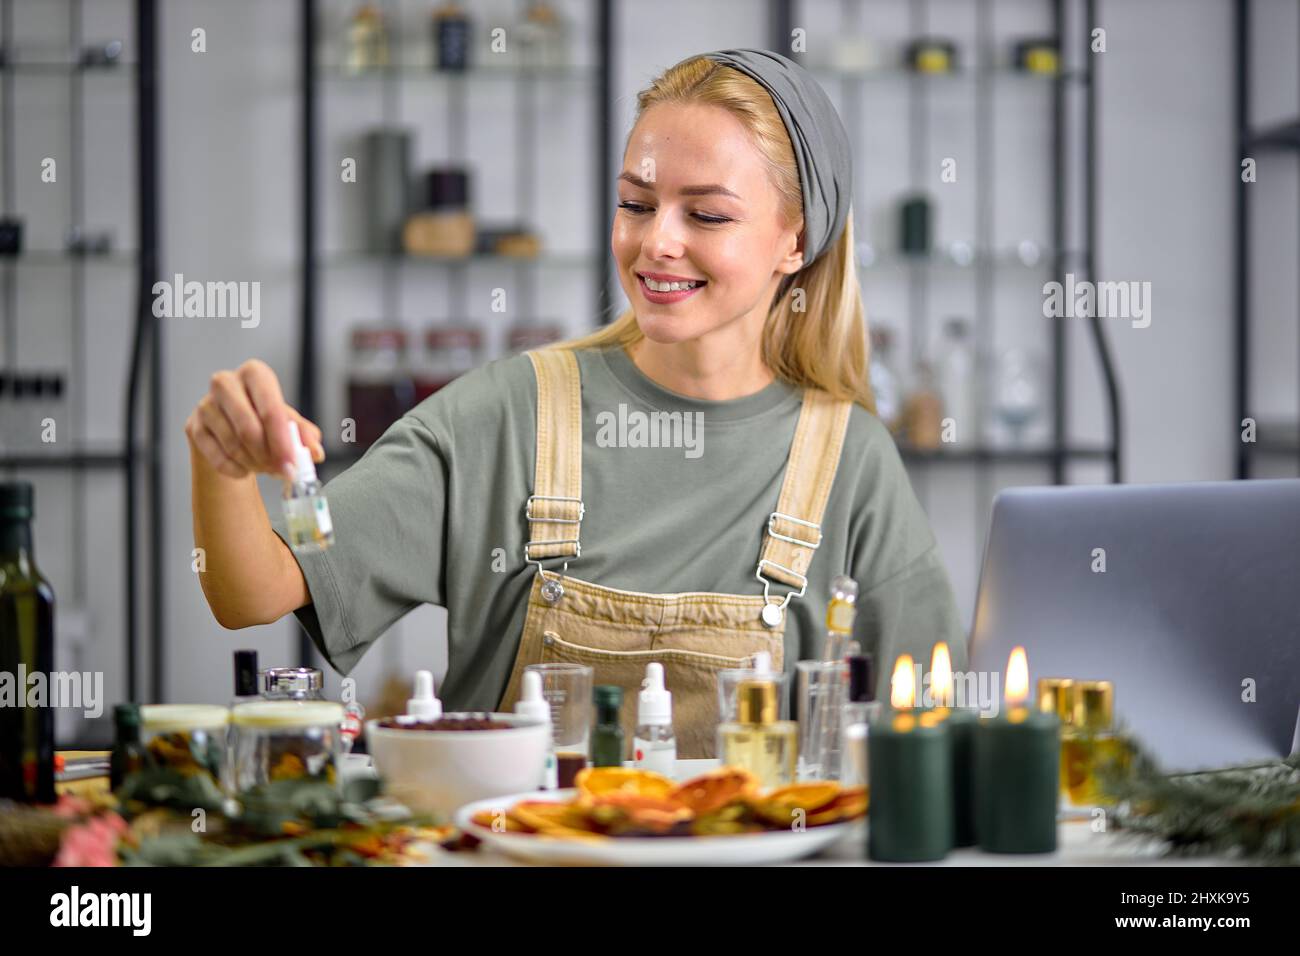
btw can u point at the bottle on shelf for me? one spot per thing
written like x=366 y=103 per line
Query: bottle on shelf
x=451 y=38
x=26 y=650
x=367 y=40
x=449 y=352
x=886 y=383
x=379 y=384
x=923 y=411
x=957 y=383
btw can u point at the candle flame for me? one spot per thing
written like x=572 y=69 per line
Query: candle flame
x=1017 y=690
x=941 y=675
x=902 y=686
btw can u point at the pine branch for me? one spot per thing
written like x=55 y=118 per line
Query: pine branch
x=1251 y=813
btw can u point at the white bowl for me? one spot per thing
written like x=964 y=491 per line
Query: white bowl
x=437 y=771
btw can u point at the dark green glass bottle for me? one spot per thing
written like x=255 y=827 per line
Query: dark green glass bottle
x=129 y=754
x=26 y=649
x=607 y=740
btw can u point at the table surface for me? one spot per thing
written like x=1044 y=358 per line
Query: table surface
x=1078 y=844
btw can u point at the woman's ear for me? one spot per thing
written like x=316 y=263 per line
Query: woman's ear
x=792 y=261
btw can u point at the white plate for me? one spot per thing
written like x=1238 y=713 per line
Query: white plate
x=777 y=846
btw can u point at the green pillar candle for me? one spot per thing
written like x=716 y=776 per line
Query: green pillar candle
x=909 y=760
x=961 y=723
x=1017 y=781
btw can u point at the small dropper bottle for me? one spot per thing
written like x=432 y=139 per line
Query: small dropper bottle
x=534 y=704
x=654 y=747
x=422 y=705
x=306 y=511
x=607 y=741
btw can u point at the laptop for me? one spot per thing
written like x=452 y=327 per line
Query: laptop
x=1195 y=618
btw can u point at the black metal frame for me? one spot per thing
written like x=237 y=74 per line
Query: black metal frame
x=308 y=349
x=1284 y=137
x=1059 y=453
x=146 y=362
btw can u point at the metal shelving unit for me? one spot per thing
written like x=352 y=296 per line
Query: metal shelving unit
x=1275 y=440
x=138 y=452
x=316 y=81
x=987 y=261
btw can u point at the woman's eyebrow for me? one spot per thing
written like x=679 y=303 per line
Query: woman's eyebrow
x=706 y=190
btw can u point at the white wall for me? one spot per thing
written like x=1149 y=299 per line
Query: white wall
x=230 y=212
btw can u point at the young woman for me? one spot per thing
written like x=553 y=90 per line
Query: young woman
x=680 y=486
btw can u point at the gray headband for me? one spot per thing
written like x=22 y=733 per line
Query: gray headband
x=821 y=146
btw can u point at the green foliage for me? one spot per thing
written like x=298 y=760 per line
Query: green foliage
x=1251 y=813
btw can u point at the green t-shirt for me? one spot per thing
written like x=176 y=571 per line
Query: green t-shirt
x=434 y=513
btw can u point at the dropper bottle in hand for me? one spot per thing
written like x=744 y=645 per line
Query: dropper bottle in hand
x=306 y=511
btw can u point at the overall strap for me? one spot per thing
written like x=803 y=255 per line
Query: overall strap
x=793 y=531
x=554 y=510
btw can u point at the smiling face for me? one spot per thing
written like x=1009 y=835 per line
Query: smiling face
x=696 y=202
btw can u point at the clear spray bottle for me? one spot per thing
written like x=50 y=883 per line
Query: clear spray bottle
x=306 y=512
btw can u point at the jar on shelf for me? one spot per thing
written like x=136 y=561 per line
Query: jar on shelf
x=187 y=738
x=379 y=384
x=275 y=740
x=367 y=41
x=532 y=335
x=449 y=352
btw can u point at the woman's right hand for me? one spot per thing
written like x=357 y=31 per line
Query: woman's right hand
x=241 y=426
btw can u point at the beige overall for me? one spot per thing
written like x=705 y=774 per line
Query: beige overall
x=693 y=634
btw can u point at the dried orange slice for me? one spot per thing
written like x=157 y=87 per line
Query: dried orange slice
x=786 y=804
x=849 y=805
x=715 y=789
x=495 y=820
x=597 y=781
x=622 y=812
x=550 y=818
x=734 y=817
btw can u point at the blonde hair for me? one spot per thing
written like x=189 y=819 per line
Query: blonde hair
x=823 y=344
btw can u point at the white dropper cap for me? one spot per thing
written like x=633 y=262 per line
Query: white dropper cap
x=762 y=663
x=655 y=704
x=304 y=469
x=532 y=703
x=424 y=705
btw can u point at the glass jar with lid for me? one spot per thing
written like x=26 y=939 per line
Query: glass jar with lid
x=449 y=352
x=292 y=683
x=379 y=383
x=187 y=738
x=285 y=739
x=524 y=336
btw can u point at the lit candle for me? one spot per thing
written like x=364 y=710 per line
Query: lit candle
x=1017 y=771
x=910 y=768
x=961 y=725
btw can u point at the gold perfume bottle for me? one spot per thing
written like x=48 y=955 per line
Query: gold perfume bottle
x=1056 y=695
x=757 y=740
x=1090 y=743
